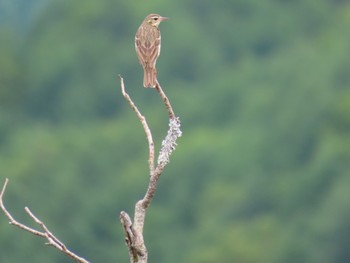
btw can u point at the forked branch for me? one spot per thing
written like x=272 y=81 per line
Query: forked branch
x=134 y=231
x=52 y=240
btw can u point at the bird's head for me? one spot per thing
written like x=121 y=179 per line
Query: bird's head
x=155 y=19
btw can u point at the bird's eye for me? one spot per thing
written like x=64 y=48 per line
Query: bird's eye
x=155 y=18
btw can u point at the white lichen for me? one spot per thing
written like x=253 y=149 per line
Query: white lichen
x=169 y=143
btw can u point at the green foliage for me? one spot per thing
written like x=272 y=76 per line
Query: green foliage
x=262 y=90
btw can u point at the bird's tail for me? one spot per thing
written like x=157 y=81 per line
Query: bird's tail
x=149 y=77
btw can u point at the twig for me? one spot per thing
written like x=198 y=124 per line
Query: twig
x=166 y=101
x=144 y=124
x=134 y=231
x=51 y=238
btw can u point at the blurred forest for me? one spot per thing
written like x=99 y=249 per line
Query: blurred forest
x=262 y=88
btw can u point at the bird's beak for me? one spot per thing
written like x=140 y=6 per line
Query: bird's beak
x=164 y=18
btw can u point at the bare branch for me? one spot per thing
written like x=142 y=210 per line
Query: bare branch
x=134 y=231
x=166 y=101
x=129 y=235
x=51 y=238
x=144 y=124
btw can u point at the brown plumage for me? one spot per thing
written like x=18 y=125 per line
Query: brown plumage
x=147 y=44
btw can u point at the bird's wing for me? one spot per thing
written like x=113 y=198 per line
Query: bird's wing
x=138 y=47
x=147 y=50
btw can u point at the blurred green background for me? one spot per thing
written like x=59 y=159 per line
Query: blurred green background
x=262 y=88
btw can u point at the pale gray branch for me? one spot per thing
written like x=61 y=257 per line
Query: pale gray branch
x=166 y=101
x=134 y=231
x=51 y=238
x=144 y=124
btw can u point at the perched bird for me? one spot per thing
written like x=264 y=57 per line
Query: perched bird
x=147 y=44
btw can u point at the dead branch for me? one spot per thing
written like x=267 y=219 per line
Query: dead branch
x=166 y=101
x=134 y=231
x=52 y=240
x=144 y=124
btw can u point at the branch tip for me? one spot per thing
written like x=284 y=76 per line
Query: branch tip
x=46 y=234
x=3 y=189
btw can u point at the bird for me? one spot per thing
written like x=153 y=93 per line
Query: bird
x=147 y=45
